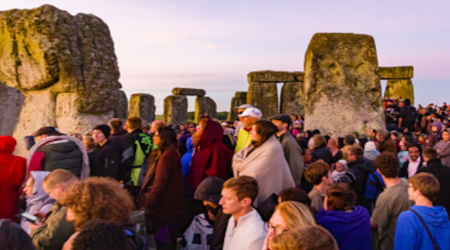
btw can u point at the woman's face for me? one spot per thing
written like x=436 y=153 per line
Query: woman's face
x=156 y=138
x=29 y=186
x=445 y=136
x=254 y=135
x=276 y=226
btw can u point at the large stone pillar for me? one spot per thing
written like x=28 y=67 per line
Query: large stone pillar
x=121 y=106
x=342 y=87
x=11 y=101
x=175 y=109
x=292 y=100
x=238 y=99
x=399 y=84
x=143 y=106
x=204 y=105
x=264 y=96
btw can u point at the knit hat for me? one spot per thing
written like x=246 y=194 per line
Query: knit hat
x=106 y=130
x=209 y=190
x=370 y=145
x=343 y=162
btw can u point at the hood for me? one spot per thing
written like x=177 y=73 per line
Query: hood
x=7 y=144
x=371 y=154
x=213 y=133
x=209 y=190
x=189 y=144
x=39 y=195
x=357 y=216
x=435 y=216
x=62 y=146
x=438 y=126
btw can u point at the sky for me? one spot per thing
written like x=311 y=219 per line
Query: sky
x=210 y=44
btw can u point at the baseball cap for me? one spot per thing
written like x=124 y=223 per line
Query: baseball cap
x=243 y=106
x=282 y=117
x=252 y=112
x=48 y=130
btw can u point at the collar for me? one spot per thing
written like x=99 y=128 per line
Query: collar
x=247 y=129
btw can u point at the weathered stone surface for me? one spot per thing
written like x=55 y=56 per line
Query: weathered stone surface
x=238 y=99
x=49 y=48
x=175 y=109
x=143 y=106
x=187 y=91
x=402 y=72
x=204 y=106
x=270 y=76
x=299 y=76
x=292 y=100
x=68 y=119
x=11 y=101
x=264 y=96
x=342 y=88
x=400 y=89
x=120 y=109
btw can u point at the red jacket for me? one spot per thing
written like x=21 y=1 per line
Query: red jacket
x=12 y=174
x=212 y=157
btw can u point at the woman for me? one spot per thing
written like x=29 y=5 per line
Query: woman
x=443 y=148
x=349 y=224
x=162 y=193
x=334 y=149
x=320 y=150
x=370 y=151
x=211 y=156
x=38 y=201
x=287 y=215
x=305 y=238
x=264 y=160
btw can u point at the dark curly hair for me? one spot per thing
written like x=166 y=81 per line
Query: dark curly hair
x=388 y=165
x=340 y=197
x=98 y=234
x=98 y=198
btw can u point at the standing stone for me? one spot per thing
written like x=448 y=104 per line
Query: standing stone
x=400 y=89
x=342 y=88
x=264 y=96
x=11 y=101
x=120 y=109
x=143 y=106
x=175 y=109
x=238 y=99
x=204 y=105
x=292 y=101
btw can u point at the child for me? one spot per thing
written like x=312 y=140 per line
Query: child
x=341 y=167
x=403 y=155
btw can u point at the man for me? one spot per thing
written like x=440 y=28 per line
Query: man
x=53 y=150
x=356 y=174
x=435 y=167
x=138 y=147
x=249 y=117
x=319 y=174
x=240 y=109
x=424 y=226
x=291 y=149
x=348 y=143
x=372 y=134
x=412 y=166
x=55 y=229
x=118 y=134
x=391 y=202
x=246 y=229
x=385 y=143
x=105 y=158
x=407 y=115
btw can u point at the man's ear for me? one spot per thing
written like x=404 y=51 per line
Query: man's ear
x=59 y=187
x=246 y=201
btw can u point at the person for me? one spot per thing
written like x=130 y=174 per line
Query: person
x=103 y=198
x=246 y=229
x=443 y=148
x=249 y=117
x=435 y=167
x=348 y=143
x=264 y=160
x=228 y=138
x=339 y=171
x=162 y=194
x=13 y=237
x=88 y=142
x=239 y=110
x=412 y=166
x=424 y=226
x=12 y=174
x=372 y=134
x=53 y=150
x=288 y=215
x=118 y=134
x=211 y=157
x=53 y=229
x=385 y=143
x=370 y=151
x=403 y=154
x=37 y=200
x=320 y=150
x=407 y=115
x=294 y=194
x=349 y=224
x=187 y=158
x=391 y=202
x=318 y=174
x=291 y=148
x=334 y=149
x=305 y=238
x=100 y=234
x=105 y=158
x=134 y=157
x=187 y=133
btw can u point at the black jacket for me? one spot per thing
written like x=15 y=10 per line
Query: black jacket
x=404 y=170
x=356 y=176
x=105 y=160
x=323 y=153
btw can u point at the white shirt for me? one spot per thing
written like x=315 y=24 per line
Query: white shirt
x=413 y=166
x=249 y=233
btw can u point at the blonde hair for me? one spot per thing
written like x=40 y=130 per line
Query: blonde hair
x=295 y=214
x=319 y=140
x=304 y=238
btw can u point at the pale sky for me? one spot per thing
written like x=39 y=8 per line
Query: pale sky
x=213 y=44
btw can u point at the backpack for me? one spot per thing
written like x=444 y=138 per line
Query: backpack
x=136 y=230
x=374 y=186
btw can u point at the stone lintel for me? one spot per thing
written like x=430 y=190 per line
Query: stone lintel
x=274 y=76
x=188 y=91
x=401 y=72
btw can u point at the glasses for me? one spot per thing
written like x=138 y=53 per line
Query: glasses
x=277 y=229
x=240 y=113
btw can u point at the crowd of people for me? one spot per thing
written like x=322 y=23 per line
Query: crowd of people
x=245 y=184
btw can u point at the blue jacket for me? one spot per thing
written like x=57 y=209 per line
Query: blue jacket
x=187 y=157
x=350 y=229
x=411 y=234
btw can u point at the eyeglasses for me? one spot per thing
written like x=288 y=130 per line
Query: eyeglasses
x=277 y=229
x=240 y=113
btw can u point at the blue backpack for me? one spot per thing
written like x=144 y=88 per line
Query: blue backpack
x=374 y=186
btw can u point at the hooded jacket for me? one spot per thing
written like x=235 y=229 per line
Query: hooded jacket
x=187 y=157
x=211 y=157
x=443 y=148
x=350 y=229
x=411 y=234
x=12 y=174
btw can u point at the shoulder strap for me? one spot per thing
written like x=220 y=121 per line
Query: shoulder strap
x=435 y=246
